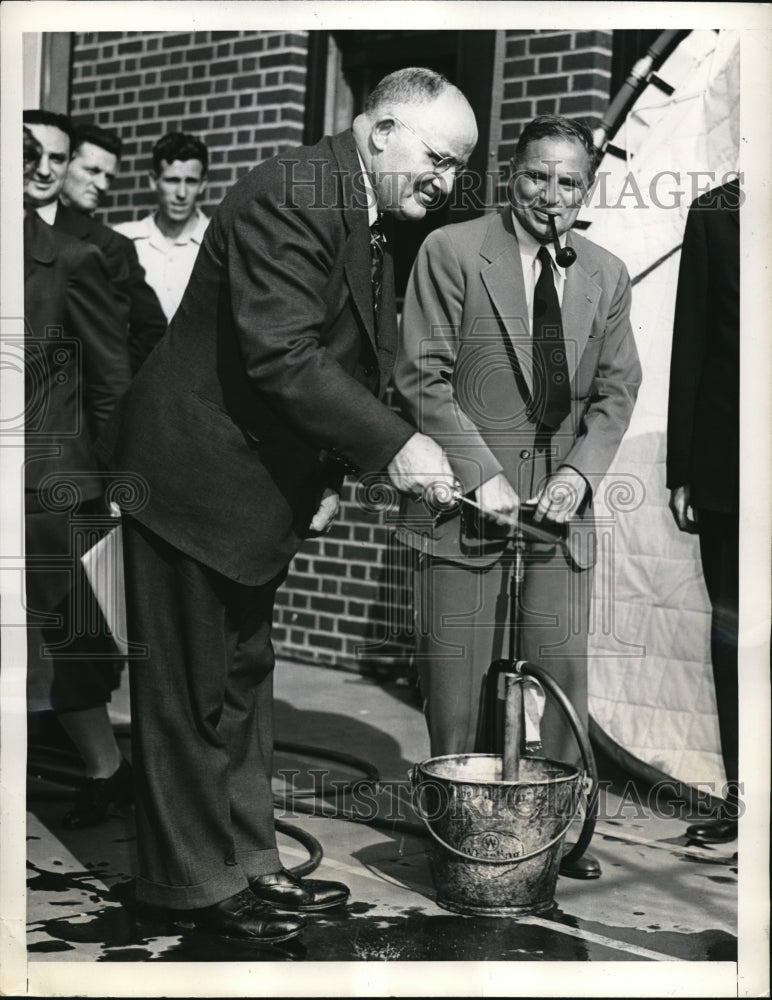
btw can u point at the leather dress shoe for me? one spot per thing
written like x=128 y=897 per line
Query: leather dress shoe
x=95 y=797
x=244 y=918
x=713 y=831
x=286 y=891
x=585 y=867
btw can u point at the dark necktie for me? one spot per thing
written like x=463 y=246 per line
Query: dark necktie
x=377 y=244
x=551 y=389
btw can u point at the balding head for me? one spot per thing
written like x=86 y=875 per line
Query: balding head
x=416 y=132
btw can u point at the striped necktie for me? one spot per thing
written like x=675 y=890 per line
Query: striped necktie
x=377 y=243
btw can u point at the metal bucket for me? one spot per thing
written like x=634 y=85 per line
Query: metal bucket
x=497 y=844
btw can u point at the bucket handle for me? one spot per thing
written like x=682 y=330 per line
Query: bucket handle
x=491 y=861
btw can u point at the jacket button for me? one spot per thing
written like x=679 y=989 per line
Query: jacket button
x=369 y=371
x=525 y=453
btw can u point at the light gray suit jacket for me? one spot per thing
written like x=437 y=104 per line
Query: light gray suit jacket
x=464 y=376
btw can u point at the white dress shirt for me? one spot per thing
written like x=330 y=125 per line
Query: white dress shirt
x=48 y=212
x=167 y=264
x=372 y=197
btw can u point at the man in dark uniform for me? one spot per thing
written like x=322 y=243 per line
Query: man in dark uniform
x=93 y=161
x=76 y=368
x=703 y=448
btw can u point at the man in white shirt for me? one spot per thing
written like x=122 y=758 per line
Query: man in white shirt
x=167 y=241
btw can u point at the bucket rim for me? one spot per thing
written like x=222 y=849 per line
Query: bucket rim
x=572 y=776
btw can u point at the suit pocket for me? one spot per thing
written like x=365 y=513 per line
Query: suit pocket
x=236 y=425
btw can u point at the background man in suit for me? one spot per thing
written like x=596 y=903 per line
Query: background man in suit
x=241 y=422
x=526 y=373
x=168 y=240
x=76 y=367
x=703 y=447
x=66 y=200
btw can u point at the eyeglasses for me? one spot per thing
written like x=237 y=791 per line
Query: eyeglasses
x=441 y=163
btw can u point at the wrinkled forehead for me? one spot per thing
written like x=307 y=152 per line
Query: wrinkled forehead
x=51 y=138
x=189 y=169
x=555 y=155
x=447 y=122
x=96 y=156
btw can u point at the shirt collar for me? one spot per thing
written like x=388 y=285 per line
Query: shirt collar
x=530 y=246
x=192 y=233
x=372 y=198
x=48 y=212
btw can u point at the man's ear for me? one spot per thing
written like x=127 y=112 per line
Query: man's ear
x=152 y=179
x=381 y=133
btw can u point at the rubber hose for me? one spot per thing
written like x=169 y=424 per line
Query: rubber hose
x=588 y=757
x=66 y=770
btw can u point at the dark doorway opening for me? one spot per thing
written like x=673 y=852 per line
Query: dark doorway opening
x=466 y=58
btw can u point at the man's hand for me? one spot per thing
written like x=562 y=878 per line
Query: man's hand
x=498 y=500
x=680 y=500
x=560 y=497
x=326 y=514
x=421 y=463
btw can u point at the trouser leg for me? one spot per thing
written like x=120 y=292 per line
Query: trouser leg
x=197 y=698
x=461 y=617
x=462 y=624
x=553 y=623
x=719 y=551
x=247 y=729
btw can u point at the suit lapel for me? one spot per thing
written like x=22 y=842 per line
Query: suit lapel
x=580 y=301
x=72 y=222
x=356 y=259
x=38 y=244
x=503 y=278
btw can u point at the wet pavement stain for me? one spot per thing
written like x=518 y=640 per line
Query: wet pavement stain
x=692 y=946
x=129 y=936
x=44 y=880
x=49 y=946
x=195 y=947
x=127 y=955
x=437 y=938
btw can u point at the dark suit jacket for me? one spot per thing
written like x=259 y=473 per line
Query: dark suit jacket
x=271 y=363
x=465 y=373
x=76 y=363
x=703 y=427
x=144 y=318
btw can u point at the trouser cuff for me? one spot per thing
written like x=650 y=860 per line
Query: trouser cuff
x=260 y=862
x=190 y=897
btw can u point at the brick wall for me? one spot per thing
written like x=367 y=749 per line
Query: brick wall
x=347 y=599
x=552 y=72
x=243 y=93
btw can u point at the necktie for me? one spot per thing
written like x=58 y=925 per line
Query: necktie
x=377 y=244
x=551 y=389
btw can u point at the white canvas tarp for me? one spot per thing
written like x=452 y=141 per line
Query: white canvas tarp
x=651 y=687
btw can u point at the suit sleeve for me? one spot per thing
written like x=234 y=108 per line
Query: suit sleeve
x=96 y=318
x=280 y=262
x=147 y=321
x=688 y=352
x=424 y=369
x=614 y=391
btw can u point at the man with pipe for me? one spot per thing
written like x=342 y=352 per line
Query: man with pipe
x=517 y=356
x=267 y=380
